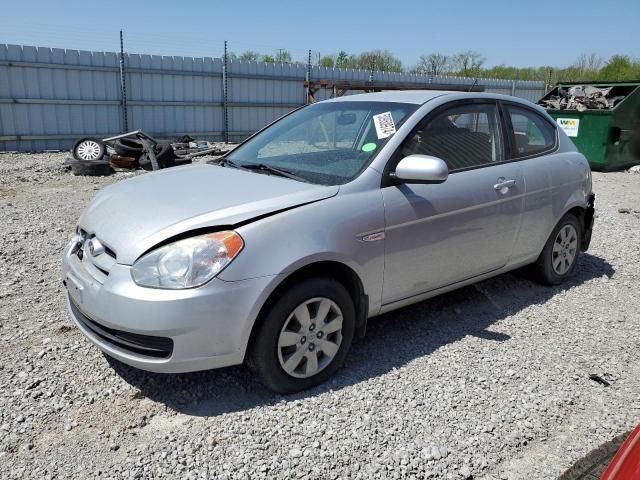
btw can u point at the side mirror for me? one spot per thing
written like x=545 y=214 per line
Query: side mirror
x=421 y=169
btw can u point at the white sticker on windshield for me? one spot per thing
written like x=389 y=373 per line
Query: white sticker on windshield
x=384 y=125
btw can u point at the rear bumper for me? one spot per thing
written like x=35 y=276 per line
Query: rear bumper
x=588 y=223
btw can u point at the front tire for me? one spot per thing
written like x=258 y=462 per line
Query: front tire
x=558 y=259
x=304 y=336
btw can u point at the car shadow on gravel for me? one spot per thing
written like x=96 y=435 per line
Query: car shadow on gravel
x=392 y=340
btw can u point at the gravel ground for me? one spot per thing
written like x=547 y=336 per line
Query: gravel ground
x=491 y=381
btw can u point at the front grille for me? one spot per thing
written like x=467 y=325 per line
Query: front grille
x=156 y=347
x=99 y=265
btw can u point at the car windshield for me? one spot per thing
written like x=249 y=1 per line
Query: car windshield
x=327 y=143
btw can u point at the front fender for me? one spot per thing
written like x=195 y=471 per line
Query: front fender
x=329 y=230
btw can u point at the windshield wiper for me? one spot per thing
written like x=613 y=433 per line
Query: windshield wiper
x=225 y=162
x=261 y=167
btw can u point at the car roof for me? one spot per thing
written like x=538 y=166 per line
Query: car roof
x=400 y=96
x=416 y=96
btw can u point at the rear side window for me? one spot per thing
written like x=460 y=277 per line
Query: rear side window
x=532 y=133
x=464 y=136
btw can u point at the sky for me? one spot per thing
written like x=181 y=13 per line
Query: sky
x=518 y=32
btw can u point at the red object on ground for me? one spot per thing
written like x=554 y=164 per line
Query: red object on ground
x=626 y=463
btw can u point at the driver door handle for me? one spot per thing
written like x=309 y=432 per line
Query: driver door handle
x=502 y=184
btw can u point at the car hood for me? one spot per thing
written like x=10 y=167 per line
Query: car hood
x=134 y=215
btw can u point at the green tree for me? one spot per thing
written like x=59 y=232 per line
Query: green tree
x=283 y=56
x=344 y=60
x=586 y=67
x=327 y=61
x=620 y=67
x=249 y=56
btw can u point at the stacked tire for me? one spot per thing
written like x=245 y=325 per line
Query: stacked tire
x=88 y=156
x=132 y=148
x=129 y=147
x=164 y=155
x=128 y=153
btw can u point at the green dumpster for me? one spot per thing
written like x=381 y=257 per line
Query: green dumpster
x=606 y=129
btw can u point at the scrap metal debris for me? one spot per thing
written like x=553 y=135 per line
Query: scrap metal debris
x=131 y=150
x=581 y=98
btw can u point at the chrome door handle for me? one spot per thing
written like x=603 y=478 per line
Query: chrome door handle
x=502 y=184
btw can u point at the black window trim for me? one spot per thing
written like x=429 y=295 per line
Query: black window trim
x=507 y=118
x=393 y=161
x=507 y=136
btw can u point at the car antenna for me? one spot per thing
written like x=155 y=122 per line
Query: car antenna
x=475 y=82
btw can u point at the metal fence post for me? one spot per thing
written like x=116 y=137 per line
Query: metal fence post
x=308 y=77
x=123 y=87
x=225 y=95
x=513 y=88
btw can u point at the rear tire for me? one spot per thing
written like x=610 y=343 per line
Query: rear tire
x=558 y=259
x=304 y=336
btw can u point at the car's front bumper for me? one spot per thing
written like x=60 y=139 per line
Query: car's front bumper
x=163 y=330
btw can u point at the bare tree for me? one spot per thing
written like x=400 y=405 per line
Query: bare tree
x=590 y=62
x=379 y=60
x=468 y=63
x=283 y=56
x=586 y=67
x=431 y=64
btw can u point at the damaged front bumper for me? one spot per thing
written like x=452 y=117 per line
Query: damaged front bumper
x=588 y=223
x=165 y=331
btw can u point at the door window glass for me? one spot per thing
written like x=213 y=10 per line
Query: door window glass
x=464 y=136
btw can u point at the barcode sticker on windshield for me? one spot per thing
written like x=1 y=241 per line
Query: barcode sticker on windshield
x=384 y=125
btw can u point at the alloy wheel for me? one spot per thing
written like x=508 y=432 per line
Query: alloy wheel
x=565 y=249
x=310 y=337
x=88 y=150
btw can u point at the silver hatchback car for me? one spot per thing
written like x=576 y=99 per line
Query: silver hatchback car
x=278 y=253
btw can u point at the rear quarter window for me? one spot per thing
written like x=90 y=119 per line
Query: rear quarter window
x=532 y=133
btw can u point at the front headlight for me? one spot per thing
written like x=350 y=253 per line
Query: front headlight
x=187 y=263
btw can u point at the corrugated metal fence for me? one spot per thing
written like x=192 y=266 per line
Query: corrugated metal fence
x=49 y=96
